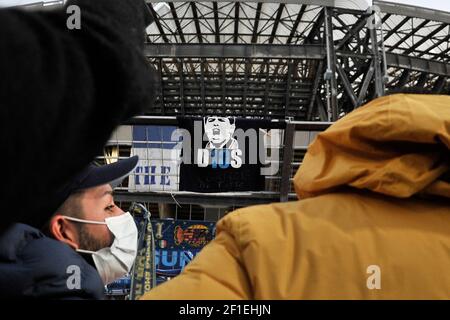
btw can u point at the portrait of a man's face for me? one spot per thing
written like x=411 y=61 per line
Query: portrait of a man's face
x=219 y=131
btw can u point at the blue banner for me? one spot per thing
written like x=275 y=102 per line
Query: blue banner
x=177 y=242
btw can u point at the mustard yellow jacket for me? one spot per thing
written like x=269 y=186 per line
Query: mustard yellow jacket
x=373 y=221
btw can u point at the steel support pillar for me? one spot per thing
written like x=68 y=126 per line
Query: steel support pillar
x=330 y=73
x=288 y=155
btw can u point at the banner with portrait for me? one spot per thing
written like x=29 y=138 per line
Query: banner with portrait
x=224 y=154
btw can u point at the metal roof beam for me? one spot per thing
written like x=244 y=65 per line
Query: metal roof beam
x=386 y=7
x=409 y=35
x=296 y=23
x=234 y=51
x=347 y=85
x=418 y=64
x=424 y=39
x=177 y=22
x=353 y=31
x=236 y=22
x=256 y=25
x=276 y=23
x=437 y=44
x=396 y=28
x=443 y=55
x=216 y=22
x=158 y=24
x=260 y=51
x=197 y=23
x=316 y=27
x=366 y=82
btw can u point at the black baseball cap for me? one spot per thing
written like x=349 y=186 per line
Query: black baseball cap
x=94 y=175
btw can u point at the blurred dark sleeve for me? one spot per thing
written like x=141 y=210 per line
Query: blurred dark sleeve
x=62 y=93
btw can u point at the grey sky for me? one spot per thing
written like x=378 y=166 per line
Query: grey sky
x=434 y=4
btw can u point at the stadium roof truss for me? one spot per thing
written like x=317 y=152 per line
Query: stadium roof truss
x=303 y=60
x=291 y=59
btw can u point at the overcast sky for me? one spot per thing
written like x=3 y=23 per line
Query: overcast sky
x=434 y=4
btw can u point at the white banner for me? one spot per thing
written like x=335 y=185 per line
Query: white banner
x=157 y=170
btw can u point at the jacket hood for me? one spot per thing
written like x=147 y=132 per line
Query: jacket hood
x=397 y=145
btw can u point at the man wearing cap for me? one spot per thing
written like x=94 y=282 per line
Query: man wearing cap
x=94 y=241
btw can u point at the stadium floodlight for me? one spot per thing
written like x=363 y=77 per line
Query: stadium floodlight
x=18 y=3
x=160 y=6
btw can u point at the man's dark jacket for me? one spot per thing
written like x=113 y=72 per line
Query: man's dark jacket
x=62 y=93
x=35 y=266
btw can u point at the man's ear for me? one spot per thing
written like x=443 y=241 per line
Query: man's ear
x=62 y=230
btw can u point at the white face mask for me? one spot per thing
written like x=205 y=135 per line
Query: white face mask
x=115 y=261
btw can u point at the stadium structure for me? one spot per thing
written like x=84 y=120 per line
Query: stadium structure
x=301 y=64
